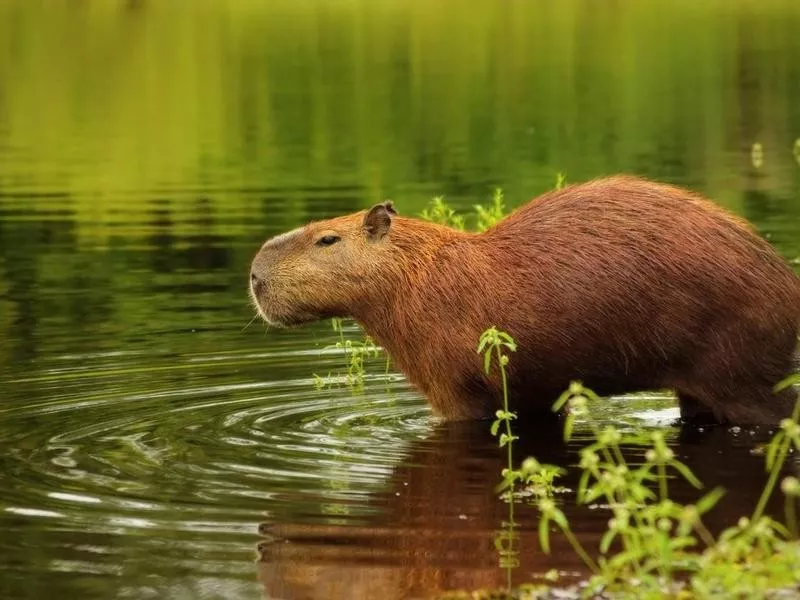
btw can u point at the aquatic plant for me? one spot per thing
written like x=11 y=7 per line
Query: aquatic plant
x=662 y=547
x=356 y=352
x=494 y=345
x=532 y=479
x=654 y=547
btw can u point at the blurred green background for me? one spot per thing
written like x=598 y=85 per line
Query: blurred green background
x=173 y=123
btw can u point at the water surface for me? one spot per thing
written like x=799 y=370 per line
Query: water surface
x=155 y=446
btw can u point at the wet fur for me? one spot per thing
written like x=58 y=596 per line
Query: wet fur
x=622 y=283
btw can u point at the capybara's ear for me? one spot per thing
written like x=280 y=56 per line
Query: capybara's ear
x=379 y=219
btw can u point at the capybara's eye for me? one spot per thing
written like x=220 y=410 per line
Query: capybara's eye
x=327 y=240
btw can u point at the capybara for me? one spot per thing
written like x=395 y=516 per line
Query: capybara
x=622 y=283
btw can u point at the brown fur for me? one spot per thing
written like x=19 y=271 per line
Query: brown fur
x=622 y=283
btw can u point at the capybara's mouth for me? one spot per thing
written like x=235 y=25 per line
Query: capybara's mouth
x=272 y=319
x=260 y=305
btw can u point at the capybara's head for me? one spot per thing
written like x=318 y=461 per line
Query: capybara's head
x=322 y=269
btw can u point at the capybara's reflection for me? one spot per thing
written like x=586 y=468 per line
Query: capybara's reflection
x=434 y=529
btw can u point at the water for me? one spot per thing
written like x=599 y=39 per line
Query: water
x=152 y=445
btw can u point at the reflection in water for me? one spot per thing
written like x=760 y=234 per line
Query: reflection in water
x=434 y=528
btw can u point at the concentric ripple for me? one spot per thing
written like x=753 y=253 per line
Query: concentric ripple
x=181 y=457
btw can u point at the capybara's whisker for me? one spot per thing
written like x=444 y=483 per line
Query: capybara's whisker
x=255 y=316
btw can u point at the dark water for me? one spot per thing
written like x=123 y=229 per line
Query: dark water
x=149 y=442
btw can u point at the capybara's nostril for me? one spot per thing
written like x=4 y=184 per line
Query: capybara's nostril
x=256 y=283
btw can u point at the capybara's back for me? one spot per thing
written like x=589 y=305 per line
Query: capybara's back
x=631 y=285
x=621 y=283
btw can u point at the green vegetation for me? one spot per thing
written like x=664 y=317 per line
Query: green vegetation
x=654 y=547
x=490 y=215
x=486 y=215
x=439 y=212
x=493 y=344
x=356 y=352
x=663 y=545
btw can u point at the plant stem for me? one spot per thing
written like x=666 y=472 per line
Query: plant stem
x=507 y=420
x=510 y=538
x=579 y=550
x=662 y=480
x=791 y=515
x=510 y=456
x=704 y=533
x=776 y=469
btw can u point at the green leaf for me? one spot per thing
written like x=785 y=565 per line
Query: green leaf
x=708 y=501
x=560 y=519
x=730 y=533
x=569 y=424
x=562 y=400
x=505 y=415
x=684 y=541
x=593 y=493
x=582 y=486
x=487 y=358
x=788 y=382
x=623 y=558
x=590 y=395
x=687 y=473
x=495 y=427
x=781 y=529
x=772 y=449
x=605 y=541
